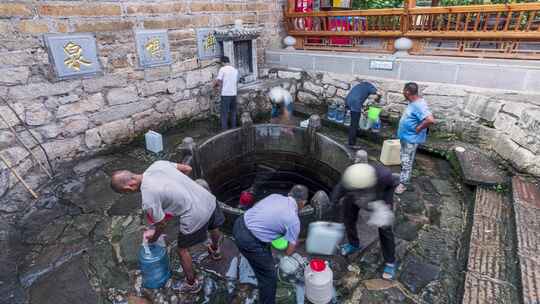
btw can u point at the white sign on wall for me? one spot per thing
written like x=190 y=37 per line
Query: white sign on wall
x=381 y=65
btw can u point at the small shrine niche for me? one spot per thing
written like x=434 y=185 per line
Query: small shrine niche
x=240 y=45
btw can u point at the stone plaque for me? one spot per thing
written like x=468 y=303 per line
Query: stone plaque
x=153 y=48
x=207 y=45
x=72 y=55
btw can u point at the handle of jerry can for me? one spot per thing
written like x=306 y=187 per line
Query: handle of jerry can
x=146 y=248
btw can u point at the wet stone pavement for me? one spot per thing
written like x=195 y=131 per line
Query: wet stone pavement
x=78 y=243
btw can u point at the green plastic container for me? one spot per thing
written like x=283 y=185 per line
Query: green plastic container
x=280 y=243
x=373 y=113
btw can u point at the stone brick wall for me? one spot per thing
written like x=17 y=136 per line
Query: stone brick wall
x=80 y=117
x=507 y=123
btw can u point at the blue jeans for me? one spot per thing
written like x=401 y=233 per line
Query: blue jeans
x=259 y=256
x=228 y=105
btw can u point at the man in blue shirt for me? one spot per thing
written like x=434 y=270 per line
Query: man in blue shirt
x=354 y=102
x=273 y=217
x=412 y=132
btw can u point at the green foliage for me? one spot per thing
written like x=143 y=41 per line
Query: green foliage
x=369 y=4
x=501 y=188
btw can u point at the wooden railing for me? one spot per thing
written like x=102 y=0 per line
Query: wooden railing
x=520 y=21
x=510 y=27
x=380 y=22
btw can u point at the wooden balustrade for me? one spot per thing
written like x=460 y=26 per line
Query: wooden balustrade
x=380 y=22
x=505 y=30
x=509 y=21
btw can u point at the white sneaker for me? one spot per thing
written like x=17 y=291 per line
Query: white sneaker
x=400 y=189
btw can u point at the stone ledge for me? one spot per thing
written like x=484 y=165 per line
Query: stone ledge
x=489 y=278
x=504 y=74
x=526 y=196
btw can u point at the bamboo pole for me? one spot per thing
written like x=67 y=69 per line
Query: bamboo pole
x=8 y=165
x=25 y=146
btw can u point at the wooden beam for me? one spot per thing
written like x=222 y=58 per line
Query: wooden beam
x=475 y=35
x=346 y=34
x=371 y=12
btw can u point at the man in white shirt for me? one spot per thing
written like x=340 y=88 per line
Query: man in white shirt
x=227 y=79
x=168 y=192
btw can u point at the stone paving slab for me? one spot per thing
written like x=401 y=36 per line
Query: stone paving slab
x=527 y=213
x=68 y=285
x=477 y=168
x=488 y=278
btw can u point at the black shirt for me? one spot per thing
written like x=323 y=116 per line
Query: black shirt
x=383 y=190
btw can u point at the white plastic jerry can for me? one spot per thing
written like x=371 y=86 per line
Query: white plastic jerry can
x=319 y=282
x=154 y=141
x=390 y=152
x=324 y=237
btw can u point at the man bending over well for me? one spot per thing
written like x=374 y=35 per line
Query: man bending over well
x=167 y=192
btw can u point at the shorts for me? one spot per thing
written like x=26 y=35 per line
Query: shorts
x=200 y=236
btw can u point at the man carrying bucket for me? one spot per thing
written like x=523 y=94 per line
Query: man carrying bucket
x=360 y=186
x=166 y=192
x=354 y=102
x=271 y=218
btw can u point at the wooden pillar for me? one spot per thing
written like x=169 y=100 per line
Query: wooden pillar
x=434 y=3
x=290 y=5
x=409 y=4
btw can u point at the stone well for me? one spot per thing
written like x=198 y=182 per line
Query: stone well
x=274 y=157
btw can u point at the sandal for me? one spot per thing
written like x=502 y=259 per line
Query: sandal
x=215 y=254
x=185 y=287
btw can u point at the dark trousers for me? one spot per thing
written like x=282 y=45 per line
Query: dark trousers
x=228 y=106
x=259 y=256
x=353 y=128
x=386 y=234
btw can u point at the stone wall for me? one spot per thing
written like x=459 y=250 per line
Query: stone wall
x=506 y=123
x=80 y=117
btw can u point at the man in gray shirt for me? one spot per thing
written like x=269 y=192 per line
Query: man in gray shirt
x=168 y=192
x=273 y=217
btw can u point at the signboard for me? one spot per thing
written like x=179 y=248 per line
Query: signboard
x=207 y=45
x=72 y=55
x=326 y=4
x=381 y=65
x=153 y=48
x=342 y=3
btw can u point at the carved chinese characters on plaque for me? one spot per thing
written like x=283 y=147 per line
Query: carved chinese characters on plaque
x=73 y=55
x=153 y=48
x=207 y=45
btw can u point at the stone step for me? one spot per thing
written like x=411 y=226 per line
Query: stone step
x=477 y=168
x=527 y=213
x=489 y=276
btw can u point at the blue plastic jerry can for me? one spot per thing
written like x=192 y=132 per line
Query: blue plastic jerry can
x=332 y=109
x=340 y=114
x=154 y=264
